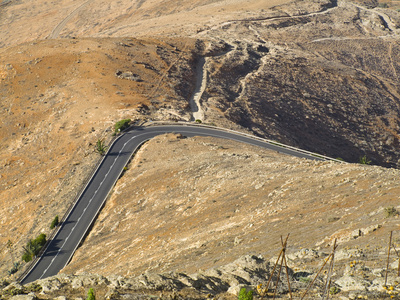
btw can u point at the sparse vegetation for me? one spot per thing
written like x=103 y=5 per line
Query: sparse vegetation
x=54 y=223
x=101 y=148
x=121 y=125
x=33 y=247
x=390 y=212
x=364 y=160
x=4 y=283
x=91 y=295
x=34 y=287
x=14 y=269
x=198 y=121
x=14 y=291
x=305 y=279
x=244 y=295
x=290 y=93
x=334 y=290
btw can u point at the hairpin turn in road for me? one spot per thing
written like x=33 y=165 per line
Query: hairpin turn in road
x=71 y=232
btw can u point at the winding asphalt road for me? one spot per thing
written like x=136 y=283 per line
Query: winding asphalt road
x=71 y=232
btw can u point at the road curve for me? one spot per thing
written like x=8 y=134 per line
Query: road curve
x=71 y=232
x=56 y=31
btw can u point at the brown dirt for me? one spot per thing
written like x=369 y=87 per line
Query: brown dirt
x=304 y=72
x=58 y=98
x=196 y=203
x=123 y=19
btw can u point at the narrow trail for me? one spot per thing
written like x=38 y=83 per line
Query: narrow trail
x=349 y=38
x=257 y=34
x=56 y=31
x=390 y=52
x=165 y=73
x=201 y=82
x=385 y=18
x=274 y=18
x=5 y=2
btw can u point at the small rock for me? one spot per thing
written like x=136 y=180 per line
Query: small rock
x=128 y=75
x=234 y=290
x=356 y=233
x=76 y=283
x=370 y=229
x=352 y=283
x=237 y=241
x=24 y=297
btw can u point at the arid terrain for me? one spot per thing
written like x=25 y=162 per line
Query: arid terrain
x=194 y=205
x=321 y=75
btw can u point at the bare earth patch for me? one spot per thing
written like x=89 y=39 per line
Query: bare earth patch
x=196 y=203
x=318 y=74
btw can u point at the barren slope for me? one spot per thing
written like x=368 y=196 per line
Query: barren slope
x=191 y=204
x=321 y=75
x=124 y=18
x=57 y=99
x=318 y=74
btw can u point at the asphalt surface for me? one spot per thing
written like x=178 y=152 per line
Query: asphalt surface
x=62 y=247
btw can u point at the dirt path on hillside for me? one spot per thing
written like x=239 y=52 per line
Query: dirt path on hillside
x=388 y=23
x=201 y=82
x=5 y=2
x=273 y=18
x=56 y=31
x=349 y=38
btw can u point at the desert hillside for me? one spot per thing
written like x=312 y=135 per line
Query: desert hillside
x=99 y=18
x=58 y=99
x=192 y=203
x=194 y=217
x=321 y=75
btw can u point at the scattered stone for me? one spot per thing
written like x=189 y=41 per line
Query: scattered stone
x=352 y=283
x=24 y=297
x=237 y=241
x=128 y=75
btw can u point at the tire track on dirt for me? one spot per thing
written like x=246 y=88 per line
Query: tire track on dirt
x=165 y=73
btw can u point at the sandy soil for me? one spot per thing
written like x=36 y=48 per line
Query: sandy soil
x=101 y=18
x=58 y=98
x=195 y=203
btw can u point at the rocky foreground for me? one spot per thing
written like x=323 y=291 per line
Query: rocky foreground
x=235 y=201
x=250 y=272
x=319 y=74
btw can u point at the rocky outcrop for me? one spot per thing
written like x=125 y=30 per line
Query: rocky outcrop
x=250 y=272
x=247 y=271
x=322 y=75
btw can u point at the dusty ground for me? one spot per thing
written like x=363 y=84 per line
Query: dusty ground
x=322 y=75
x=123 y=19
x=218 y=200
x=58 y=98
x=196 y=203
